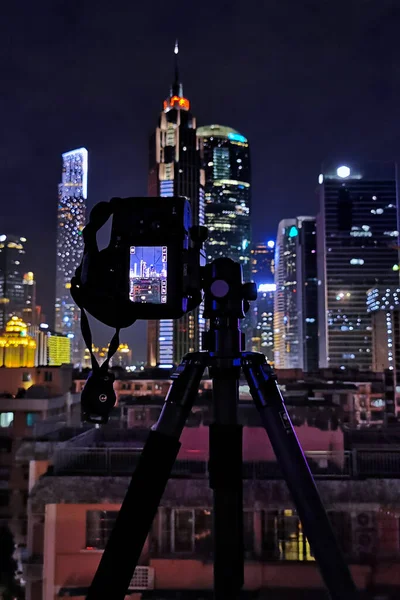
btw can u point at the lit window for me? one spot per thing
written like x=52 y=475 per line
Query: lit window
x=6 y=419
x=99 y=524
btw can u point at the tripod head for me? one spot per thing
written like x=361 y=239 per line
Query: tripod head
x=226 y=302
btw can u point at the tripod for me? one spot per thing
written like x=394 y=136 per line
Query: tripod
x=225 y=302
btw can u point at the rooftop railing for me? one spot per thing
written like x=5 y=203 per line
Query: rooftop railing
x=375 y=463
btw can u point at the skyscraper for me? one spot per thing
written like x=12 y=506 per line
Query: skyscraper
x=12 y=255
x=175 y=170
x=263 y=262
x=226 y=162
x=263 y=311
x=383 y=304
x=72 y=193
x=357 y=250
x=296 y=309
x=29 y=312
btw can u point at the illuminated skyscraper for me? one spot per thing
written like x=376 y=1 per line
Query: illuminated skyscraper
x=29 y=312
x=12 y=255
x=226 y=162
x=357 y=250
x=296 y=309
x=175 y=170
x=72 y=193
x=383 y=305
x=263 y=312
x=263 y=262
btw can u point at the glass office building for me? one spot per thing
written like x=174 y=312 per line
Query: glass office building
x=357 y=251
x=296 y=308
x=226 y=164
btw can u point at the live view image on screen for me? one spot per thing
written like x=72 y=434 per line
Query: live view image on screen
x=148 y=274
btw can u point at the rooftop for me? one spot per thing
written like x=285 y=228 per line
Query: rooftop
x=196 y=492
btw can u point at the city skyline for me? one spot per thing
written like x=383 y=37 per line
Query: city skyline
x=287 y=101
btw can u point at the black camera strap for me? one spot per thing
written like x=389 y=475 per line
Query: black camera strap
x=87 y=337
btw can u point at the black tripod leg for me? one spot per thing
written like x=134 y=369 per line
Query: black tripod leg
x=317 y=527
x=225 y=468
x=147 y=485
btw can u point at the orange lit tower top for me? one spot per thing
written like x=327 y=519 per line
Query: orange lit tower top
x=176 y=98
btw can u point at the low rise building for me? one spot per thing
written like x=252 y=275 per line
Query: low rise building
x=71 y=516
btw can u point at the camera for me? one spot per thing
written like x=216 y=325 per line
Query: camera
x=151 y=268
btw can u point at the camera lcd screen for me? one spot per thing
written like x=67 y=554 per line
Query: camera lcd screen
x=148 y=274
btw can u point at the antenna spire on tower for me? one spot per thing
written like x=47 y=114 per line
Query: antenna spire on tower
x=176 y=86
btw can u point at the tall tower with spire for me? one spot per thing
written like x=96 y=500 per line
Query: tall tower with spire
x=176 y=170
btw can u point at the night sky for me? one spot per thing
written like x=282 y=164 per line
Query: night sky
x=304 y=81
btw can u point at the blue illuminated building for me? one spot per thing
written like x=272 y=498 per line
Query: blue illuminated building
x=71 y=215
x=357 y=251
x=262 y=262
x=226 y=164
x=175 y=170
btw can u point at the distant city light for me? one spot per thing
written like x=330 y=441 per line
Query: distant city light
x=3 y=238
x=320 y=178
x=164 y=366
x=267 y=287
x=236 y=137
x=343 y=172
x=70 y=336
x=271 y=244
x=293 y=232
x=44 y=326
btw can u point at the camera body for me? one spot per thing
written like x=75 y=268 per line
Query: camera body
x=150 y=244
x=151 y=267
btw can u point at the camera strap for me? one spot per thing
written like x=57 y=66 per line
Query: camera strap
x=87 y=337
x=98 y=217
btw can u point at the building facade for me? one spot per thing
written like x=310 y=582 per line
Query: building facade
x=295 y=309
x=383 y=305
x=71 y=216
x=29 y=310
x=263 y=314
x=40 y=394
x=263 y=262
x=12 y=264
x=357 y=250
x=175 y=170
x=226 y=163
x=176 y=560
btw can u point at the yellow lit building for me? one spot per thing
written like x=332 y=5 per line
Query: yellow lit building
x=122 y=357
x=17 y=348
x=59 y=350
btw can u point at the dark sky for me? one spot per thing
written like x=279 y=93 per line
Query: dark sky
x=304 y=81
